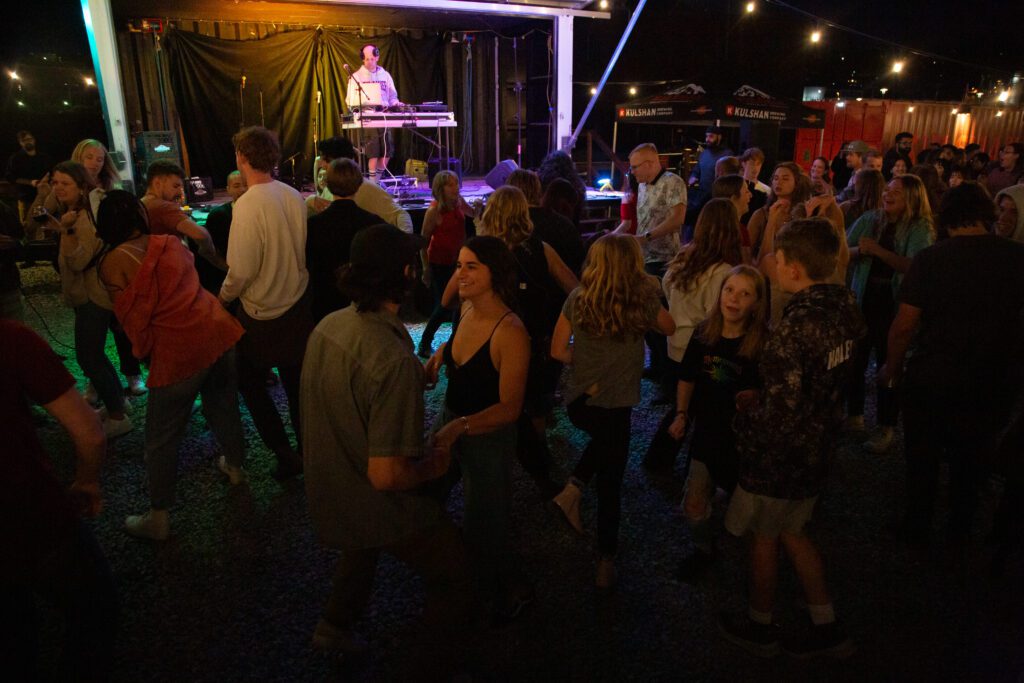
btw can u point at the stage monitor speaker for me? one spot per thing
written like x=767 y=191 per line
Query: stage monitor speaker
x=199 y=190
x=500 y=173
x=416 y=168
x=434 y=165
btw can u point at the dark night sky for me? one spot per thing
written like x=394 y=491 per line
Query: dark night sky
x=694 y=39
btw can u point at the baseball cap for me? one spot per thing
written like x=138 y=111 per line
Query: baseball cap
x=857 y=146
x=384 y=248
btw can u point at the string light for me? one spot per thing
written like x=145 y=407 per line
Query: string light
x=751 y=7
x=632 y=91
x=1004 y=96
x=603 y=4
x=954 y=110
x=897 y=67
x=593 y=91
x=840 y=104
x=883 y=90
x=815 y=36
x=14 y=75
x=999 y=113
x=89 y=81
x=910 y=110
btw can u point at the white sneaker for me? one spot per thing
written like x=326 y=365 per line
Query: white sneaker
x=568 y=501
x=236 y=475
x=104 y=413
x=136 y=387
x=154 y=525
x=114 y=428
x=90 y=395
x=880 y=442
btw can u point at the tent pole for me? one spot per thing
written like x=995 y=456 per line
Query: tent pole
x=607 y=72
x=615 y=140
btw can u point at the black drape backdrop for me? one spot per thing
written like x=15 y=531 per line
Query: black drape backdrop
x=288 y=69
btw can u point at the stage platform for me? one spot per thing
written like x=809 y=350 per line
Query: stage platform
x=600 y=211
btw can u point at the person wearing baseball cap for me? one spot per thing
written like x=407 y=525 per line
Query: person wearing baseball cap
x=362 y=435
x=703 y=174
x=854 y=153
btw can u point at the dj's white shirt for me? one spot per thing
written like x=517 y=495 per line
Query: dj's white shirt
x=388 y=93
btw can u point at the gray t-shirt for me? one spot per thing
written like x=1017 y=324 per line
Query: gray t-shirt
x=362 y=392
x=607 y=368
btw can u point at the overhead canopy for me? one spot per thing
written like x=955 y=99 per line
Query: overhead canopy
x=693 y=104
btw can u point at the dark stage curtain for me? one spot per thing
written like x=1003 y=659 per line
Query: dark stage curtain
x=206 y=76
x=289 y=69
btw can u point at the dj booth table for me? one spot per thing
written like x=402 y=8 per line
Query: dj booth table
x=442 y=122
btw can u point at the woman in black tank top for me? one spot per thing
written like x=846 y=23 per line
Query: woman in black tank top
x=486 y=362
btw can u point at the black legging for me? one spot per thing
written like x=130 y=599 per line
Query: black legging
x=879 y=310
x=606 y=456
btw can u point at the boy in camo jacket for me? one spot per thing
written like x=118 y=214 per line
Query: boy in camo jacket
x=787 y=437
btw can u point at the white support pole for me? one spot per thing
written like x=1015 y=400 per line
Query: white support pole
x=99 y=27
x=563 y=48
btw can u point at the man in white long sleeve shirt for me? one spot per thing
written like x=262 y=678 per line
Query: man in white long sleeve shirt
x=267 y=274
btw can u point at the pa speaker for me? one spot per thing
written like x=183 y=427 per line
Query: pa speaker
x=500 y=173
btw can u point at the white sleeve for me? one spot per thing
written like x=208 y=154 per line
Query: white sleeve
x=392 y=91
x=244 y=253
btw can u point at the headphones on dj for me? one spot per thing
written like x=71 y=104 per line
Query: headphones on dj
x=362 y=51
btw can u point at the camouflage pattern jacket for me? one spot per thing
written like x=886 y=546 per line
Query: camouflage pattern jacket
x=786 y=442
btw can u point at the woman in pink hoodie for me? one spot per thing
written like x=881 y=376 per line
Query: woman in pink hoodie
x=184 y=334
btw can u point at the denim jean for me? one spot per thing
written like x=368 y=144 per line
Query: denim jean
x=167 y=416
x=484 y=463
x=91 y=325
x=605 y=456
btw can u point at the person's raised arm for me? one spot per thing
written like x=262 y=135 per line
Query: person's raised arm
x=204 y=242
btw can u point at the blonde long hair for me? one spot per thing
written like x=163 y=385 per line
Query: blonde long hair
x=507 y=216
x=441 y=180
x=614 y=290
x=756 y=332
x=108 y=178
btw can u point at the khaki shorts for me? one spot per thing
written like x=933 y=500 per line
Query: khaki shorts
x=764 y=516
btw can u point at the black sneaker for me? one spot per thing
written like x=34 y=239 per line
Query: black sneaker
x=824 y=640
x=760 y=640
x=693 y=568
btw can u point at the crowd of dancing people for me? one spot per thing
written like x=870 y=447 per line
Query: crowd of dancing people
x=759 y=306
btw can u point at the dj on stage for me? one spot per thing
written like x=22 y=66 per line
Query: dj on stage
x=378 y=91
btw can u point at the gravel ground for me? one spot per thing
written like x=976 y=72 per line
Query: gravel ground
x=235 y=593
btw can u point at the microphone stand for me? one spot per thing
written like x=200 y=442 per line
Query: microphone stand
x=359 y=93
